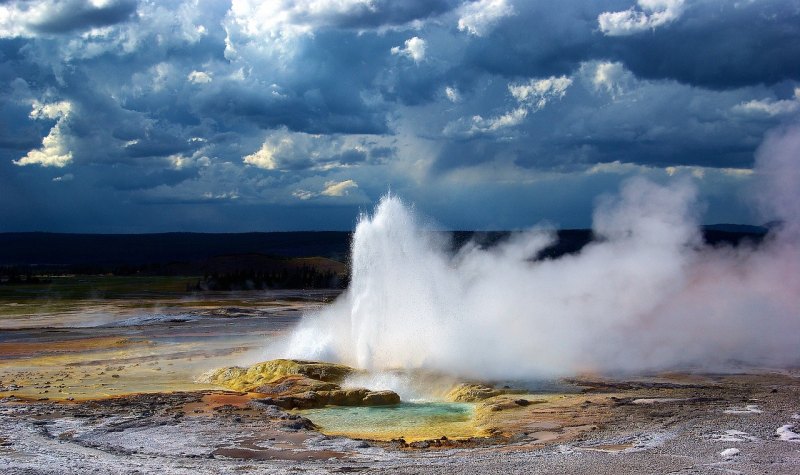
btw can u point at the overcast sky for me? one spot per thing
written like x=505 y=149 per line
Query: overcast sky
x=142 y=116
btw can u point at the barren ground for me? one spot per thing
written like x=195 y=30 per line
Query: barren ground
x=120 y=397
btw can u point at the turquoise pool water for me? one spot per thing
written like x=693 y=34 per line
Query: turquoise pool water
x=412 y=421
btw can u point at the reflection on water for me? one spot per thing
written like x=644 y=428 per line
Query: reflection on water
x=411 y=421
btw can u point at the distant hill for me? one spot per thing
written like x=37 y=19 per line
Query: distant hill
x=737 y=228
x=245 y=260
x=571 y=241
x=104 y=250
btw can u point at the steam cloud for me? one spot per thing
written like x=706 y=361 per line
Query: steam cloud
x=646 y=295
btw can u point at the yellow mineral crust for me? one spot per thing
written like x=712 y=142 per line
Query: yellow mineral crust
x=262 y=374
x=299 y=384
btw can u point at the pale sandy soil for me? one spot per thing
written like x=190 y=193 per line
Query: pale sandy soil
x=75 y=411
x=668 y=429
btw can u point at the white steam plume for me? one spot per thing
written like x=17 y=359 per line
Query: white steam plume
x=645 y=295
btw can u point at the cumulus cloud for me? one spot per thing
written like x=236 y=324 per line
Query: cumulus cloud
x=611 y=77
x=199 y=77
x=652 y=14
x=180 y=161
x=31 y=18
x=414 y=48
x=54 y=151
x=288 y=18
x=171 y=97
x=303 y=194
x=340 y=188
x=771 y=107
x=332 y=188
x=536 y=93
x=480 y=17
x=452 y=94
x=285 y=150
x=492 y=124
x=531 y=96
x=264 y=157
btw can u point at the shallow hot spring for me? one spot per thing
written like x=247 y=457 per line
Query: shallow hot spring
x=409 y=420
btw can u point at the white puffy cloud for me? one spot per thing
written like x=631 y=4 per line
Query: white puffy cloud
x=54 y=151
x=292 y=17
x=610 y=77
x=531 y=96
x=452 y=94
x=53 y=110
x=264 y=157
x=332 y=188
x=180 y=161
x=13 y=21
x=509 y=119
x=652 y=14
x=199 y=77
x=338 y=188
x=536 y=93
x=480 y=17
x=286 y=150
x=303 y=194
x=771 y=107
x=414 y=49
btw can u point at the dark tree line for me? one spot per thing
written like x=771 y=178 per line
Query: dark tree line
x=10 y=275
x=300 y=278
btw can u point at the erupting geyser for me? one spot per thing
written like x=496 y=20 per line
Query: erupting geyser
x=647 y=294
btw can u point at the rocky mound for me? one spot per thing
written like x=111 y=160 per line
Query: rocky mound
x=299 y=384
x=472 y=392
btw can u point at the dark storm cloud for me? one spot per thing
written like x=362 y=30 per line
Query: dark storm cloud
x=313 y=111
x=714 y=44
x=71 y=15
x=382 y=153
x=222 y=107
x=128 y=178
x=157 y=144
x=652 y=123
x=386 y=13
x=543 y=38
x=718 y=45
x=321 y=90
x=349 y=157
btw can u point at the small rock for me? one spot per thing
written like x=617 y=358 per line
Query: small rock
x=728 y=453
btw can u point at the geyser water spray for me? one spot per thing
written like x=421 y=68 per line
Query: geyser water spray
x=647 y=294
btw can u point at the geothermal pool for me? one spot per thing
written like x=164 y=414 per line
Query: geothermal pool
x=411 y=421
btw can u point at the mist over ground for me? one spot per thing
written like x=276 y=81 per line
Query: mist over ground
x=648 y=294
